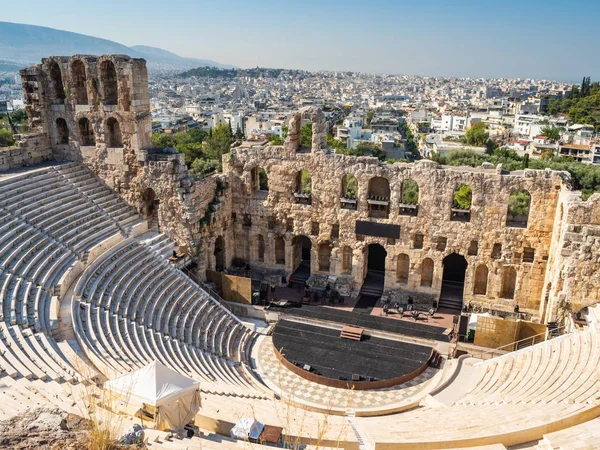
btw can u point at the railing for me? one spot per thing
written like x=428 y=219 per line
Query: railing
x=205 y=288
x=516 y=345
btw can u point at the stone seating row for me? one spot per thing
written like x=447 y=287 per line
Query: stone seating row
x=149 y=310
x=563 y=369
x=47 y=223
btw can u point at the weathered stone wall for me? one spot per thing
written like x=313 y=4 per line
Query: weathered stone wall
x=30 y=149
x=265 y=216
x=573 y=275
x=96 y=109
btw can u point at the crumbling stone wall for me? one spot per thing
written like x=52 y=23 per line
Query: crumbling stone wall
x=96 y=109
x=266 y=216
x=573 y=275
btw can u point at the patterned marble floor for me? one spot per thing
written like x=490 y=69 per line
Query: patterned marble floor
x=296 y=388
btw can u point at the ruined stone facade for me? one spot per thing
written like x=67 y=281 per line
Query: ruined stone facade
x=271 y=202
x=96 y=110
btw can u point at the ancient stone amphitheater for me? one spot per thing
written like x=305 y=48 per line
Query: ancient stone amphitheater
x=90 y=215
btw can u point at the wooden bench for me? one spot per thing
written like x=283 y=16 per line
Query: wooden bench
x=353 y=333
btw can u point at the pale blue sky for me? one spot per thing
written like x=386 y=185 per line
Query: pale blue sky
x=525 y=38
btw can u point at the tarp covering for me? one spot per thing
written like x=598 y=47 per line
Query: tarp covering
x=246 y=428
x=473 y=320
x=176 y=397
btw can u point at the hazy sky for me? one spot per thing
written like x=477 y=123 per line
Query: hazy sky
x=490 y=38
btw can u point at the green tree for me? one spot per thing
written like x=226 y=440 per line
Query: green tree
x=490 y=146
x=518 y=203
x=275 y=140
x=205 y=166
x=263 y=180
x=218 y=142
x=526 y=161
x=239 y=135
x=305 y=182
x=477 y=134
x=462 y=197
x=410 y=192
x=306 y=135
x=551 y=133
x=370 y=115
x=6 y=138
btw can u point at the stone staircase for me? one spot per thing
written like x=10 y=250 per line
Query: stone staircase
x=363 y=442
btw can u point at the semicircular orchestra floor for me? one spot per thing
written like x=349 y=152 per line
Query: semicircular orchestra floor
x=305 y=393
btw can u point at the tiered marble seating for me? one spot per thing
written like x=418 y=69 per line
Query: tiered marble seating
x=50 y=218
x=132 y=306
x=561 y=370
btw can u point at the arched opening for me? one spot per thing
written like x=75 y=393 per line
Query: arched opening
x=149 y=208
x=113 y=133
x=62 y=132
x=108 y=80
x=263 y=180
x=427 y=272
x=462 y=198
x=509 y=282
x=378 y=197
x=375 y=275
x=57 y=83
x=481 y=279
x=518 y=208
x=453 y=282
x=409 y=198
x=402 y=268
x=79 y=82
x=219 y=253
x=349 y=192
x=324 y=256
x=279 y=250
x=347 y=259
x=301 y=255
x=261 y=248
x=303 y=187
x=86 y=133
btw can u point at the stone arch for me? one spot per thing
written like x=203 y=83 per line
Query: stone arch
x=347 y=259
x=301 y=253
x=261 y=247
x=480 y=280
x=279 y=250
x=462 y=200
x=324 y=256
x=62 y=132
x=219 y=253
x=149 y=204
x=319 y=129
x=378 y=197
x=109 y=83
x=113 y=133
x=402 y=268
x=427 y=272
x=453 y=281
x=509 y=282
x=410 y=192
x=56 y=79
x=303 y=187
x=78 y=75
x=86 y=132
x=519 y=203
x=349 y=187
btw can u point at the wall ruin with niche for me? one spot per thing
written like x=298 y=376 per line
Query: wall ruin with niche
x=261 y=218
x=96 y=110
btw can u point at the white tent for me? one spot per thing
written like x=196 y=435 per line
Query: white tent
x=175 y=397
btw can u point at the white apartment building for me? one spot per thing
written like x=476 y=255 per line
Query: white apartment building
x=449 y=122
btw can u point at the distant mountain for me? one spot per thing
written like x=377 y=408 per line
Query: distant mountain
x=158 y=55
x=27 y=44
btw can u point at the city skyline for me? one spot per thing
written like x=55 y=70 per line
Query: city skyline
x=465 y=39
